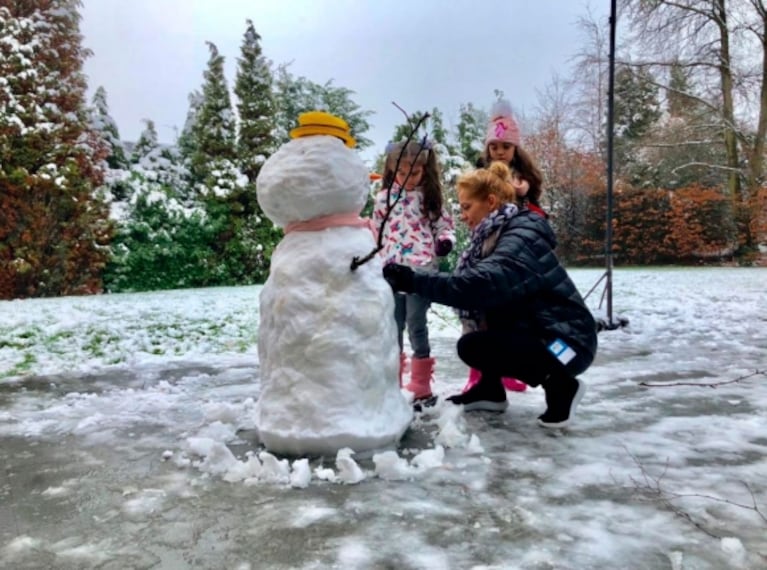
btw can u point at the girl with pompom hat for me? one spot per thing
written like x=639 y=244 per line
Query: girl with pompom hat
x=503 y=143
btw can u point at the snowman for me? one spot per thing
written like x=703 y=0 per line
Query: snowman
x=329 y=358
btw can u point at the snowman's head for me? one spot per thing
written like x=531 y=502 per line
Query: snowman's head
x=312 y=176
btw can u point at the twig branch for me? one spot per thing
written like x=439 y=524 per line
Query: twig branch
x=707 y=165
x=651 y=486
x=401 y=109
x=704 y=384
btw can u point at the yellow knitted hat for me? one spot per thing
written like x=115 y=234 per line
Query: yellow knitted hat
x=321 y=123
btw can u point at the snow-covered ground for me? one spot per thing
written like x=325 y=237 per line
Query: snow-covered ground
x=126 y=441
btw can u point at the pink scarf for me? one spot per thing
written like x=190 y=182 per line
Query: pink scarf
x=349 y=219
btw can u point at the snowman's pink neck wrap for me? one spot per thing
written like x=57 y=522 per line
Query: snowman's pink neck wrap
x=349 y=219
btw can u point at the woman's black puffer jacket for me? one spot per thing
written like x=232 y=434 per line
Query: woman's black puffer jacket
x=520 y=286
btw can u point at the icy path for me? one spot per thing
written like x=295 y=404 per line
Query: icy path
x=141 y=464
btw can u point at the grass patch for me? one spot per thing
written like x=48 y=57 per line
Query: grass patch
x=28 y=359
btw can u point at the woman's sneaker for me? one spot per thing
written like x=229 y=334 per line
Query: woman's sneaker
x=561 y=401
x=485 y=395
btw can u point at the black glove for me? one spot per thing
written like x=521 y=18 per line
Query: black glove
x=443 y=247
x=400 y=277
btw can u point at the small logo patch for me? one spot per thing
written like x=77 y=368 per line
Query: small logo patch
x=562 y=351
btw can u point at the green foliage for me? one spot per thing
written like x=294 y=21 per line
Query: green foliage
x=636 y=112
x=471 y=132
x=247 y=256
x=213 y=131
x=296 y=95
x=103 y=123
x=147 y=142
x=255 y=105
x=53 y=225
x=186 y=141
x=248 y=253
x=161 y=245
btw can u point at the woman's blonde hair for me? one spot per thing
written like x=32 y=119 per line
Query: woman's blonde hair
x=495 y=180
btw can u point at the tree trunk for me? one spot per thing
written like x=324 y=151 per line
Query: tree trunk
x=728 y=115
x=756 y=155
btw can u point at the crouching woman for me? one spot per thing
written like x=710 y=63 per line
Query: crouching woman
x=530 y=321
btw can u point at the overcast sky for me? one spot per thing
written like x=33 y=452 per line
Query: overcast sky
x=150 y=54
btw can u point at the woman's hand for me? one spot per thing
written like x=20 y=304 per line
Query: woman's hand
x=400 y=277
x=521 y=187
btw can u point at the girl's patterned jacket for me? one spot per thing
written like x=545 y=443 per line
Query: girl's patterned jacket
x=410 y=237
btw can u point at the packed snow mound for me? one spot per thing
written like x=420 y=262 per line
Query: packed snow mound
x=327 y=337
x=328 y=349
x=311 y=177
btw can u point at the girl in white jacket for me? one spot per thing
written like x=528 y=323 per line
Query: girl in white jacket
x=419 y=228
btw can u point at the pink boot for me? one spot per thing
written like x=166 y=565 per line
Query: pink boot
x=513 y=385
x=421 y=370
x=474 y=376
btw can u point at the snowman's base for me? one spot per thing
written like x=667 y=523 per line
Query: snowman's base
x=326 y=445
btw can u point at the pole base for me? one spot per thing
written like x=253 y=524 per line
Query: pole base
x=603 y=324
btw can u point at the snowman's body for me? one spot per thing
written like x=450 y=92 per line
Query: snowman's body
x=327 y=337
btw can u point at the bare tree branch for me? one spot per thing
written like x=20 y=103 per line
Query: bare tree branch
x=707 y=165
x=704 y=384
x=653 y=489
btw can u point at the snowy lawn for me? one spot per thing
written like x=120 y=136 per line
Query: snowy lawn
x=126 y=441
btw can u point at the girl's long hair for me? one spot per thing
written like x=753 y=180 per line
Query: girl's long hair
x=422 y=153
x=526 y=168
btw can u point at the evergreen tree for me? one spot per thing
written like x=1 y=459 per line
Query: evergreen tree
x=217 y=180
x=451 y=161
x=147 y=142
x=472 y=123
x=636 y=103
x=296 y=95
x=162 y=164
x=680 y=101
x=103 y=123
x=53 y=228
x=213 y=131
x=451 y=164
x=164 y=234
x=115 y=188
x=186 y=142
x=636 y=111
x=248 y=254
x=255 y=105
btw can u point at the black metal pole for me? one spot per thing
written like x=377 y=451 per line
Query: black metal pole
x=610 y=127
